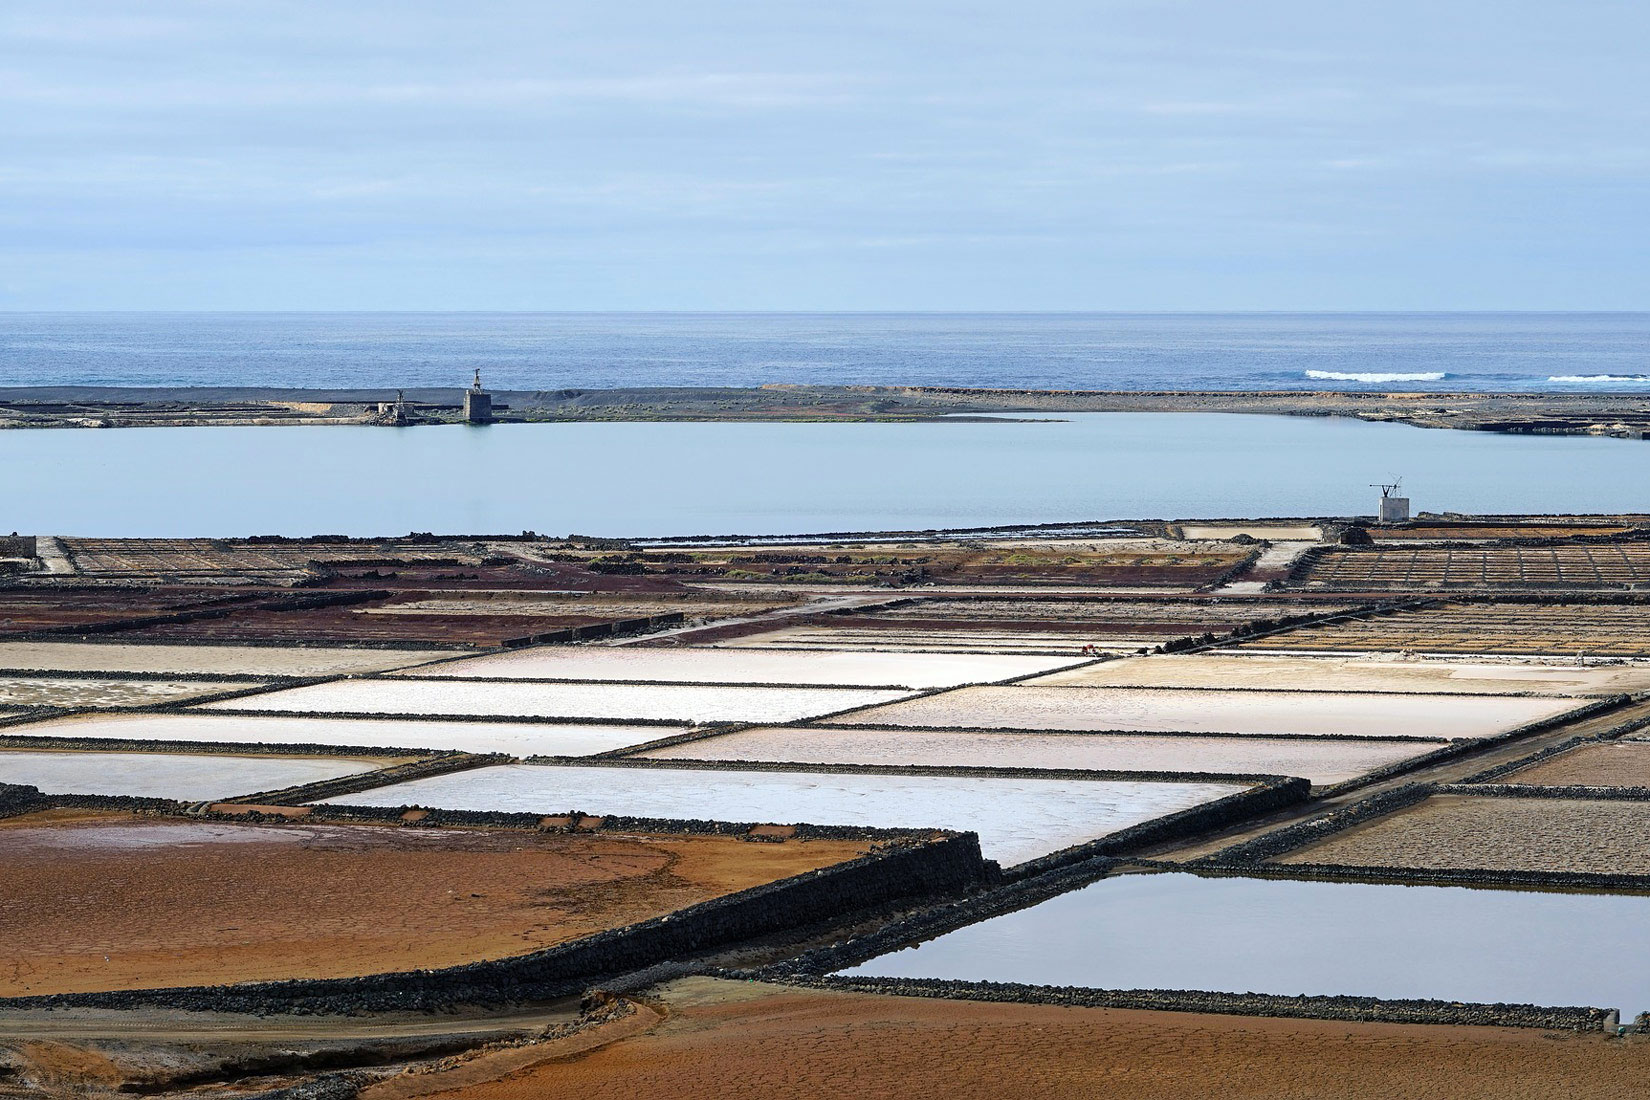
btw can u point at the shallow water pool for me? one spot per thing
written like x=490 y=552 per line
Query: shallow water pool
x=1250 y=935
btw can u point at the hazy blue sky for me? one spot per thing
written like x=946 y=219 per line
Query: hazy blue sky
x=703 y=154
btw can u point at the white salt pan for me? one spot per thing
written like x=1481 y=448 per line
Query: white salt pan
x=1154 y=711
x=729 y=666
x=225 y=660
x=1320 y=761
x=165 y=775
x=1017 y=819
x=515 y=738
x=619 y=702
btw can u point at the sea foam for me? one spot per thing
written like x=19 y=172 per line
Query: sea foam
x=1355 y=376
x=1606 y=378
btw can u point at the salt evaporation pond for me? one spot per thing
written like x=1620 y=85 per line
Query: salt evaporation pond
x=167 y=775
x=1356 y=674
x=1318 y=760
x=1152 y=710
x=60 y=691
x=223 y=660
x=1017 y=819
x=690 y=704
x=732 y=666
x=515 y=738
x=1243 y=935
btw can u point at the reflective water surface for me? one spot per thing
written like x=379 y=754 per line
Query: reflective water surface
x=640 y=479
x=1242 y=935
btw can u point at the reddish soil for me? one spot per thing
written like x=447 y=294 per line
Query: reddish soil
x=720 y=1039
x=59 y=609
x=105 y=901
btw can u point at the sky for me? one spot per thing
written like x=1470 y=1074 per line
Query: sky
x=838 y=155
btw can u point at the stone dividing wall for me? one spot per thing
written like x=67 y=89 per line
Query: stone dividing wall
x=19 y=546
x=1302 y=833
x=1350 y=1009
x=934 y=921
x=902 y=870
x=439 y=764
x=598 y=630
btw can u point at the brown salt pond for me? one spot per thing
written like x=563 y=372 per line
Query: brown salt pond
x=107 y=901
x=1452 y=832
x=1607 y=764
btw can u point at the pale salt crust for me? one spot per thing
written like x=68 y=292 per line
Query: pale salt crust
x=1223 y=670
x=36 y=691
x=1238 y=712
x=515 y=738
x=902 y=640
x=223 y=660
x=167 y=775
x=1269 y=532
x=1320 y=762
x=690 y=704
x=1017 y=819
x=724 y=666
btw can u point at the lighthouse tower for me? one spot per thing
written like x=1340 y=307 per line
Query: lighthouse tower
x=478 y=403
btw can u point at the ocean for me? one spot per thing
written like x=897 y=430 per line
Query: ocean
x=1485 y=352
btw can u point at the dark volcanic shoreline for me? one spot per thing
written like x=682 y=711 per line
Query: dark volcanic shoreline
x=1624 y=415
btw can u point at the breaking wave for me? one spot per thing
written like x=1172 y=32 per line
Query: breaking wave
x=1348 y=376
x=1599 y=378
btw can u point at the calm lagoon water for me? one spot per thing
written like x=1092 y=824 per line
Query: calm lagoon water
x=1239 y=935
x=641 y=479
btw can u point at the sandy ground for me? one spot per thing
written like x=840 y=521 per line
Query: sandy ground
x=1170 y=710
x=1017 y=819
x=109 y=902
x=1239 y=670
x=226 y=660
x=696 y=704
x=1317 y=760
x=1536 y=834
x=723 y=666
x=516 y=738
x=720 y=1039
x=1612 y=764
x=37 y=691
x=171 y=775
